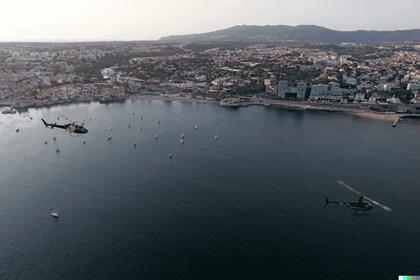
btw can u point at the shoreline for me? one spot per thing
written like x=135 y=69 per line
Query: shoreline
x=170 y=98
x=376 y=116
x=281 y=104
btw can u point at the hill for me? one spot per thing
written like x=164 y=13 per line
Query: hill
x=274 y=33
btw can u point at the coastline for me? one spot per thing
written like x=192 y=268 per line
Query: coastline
x=376 y=116
x=281 y=104
x=170 y=98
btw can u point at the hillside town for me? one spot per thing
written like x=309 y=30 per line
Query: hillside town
x=363 y=76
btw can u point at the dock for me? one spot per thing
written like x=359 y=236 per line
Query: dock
x=396 y=122
x=405 y=116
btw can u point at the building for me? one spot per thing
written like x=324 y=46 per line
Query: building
x=286 y=92
x=270 y=86
x=329 y=93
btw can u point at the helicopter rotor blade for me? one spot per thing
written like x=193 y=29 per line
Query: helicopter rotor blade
x=386 y=208
x=348 y=187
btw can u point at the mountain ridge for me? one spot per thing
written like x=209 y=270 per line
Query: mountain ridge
x=273 y=33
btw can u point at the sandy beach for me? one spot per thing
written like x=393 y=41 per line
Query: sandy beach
x=376 y=116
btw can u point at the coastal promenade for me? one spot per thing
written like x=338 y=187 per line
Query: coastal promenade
x=310 y=106
x=352 y=109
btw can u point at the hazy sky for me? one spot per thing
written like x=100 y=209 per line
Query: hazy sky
x=49 y=20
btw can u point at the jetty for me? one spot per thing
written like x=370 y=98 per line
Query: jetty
x=405 y=116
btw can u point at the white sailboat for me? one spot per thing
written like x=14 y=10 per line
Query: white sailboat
x=54 y=212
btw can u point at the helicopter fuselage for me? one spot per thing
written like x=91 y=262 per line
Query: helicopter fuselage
x=71 y=127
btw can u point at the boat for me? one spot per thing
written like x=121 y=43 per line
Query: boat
x=54 y=138
x=215 y=136
x=182 y=141
x=182 y=134
x=84 y=141
x=109 y=128
x=9 y=111
x=134 y=144
x=54 y=212
x=57 y=149
x=109 y=138
x=196 y=126
x=17 y=130
x=170 y=155
x=156 y=136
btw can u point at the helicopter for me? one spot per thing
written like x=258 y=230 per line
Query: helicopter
x=360 y=207
x=71 y=127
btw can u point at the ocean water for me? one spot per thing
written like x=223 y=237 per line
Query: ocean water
x=247 y=206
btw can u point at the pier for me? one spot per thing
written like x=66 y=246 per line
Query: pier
x=396 y=122
x=405 y=116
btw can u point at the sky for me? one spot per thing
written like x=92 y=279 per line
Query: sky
x=92 y=20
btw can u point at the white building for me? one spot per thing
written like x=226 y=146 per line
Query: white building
x=107 y=73
x=393 y=100
x=329 y=93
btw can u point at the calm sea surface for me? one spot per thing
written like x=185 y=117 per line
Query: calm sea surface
x=248 y=206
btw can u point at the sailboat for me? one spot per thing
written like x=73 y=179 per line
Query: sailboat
x=54 y=212
x=215 y=136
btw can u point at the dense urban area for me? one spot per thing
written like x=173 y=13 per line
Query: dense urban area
x=360 y=76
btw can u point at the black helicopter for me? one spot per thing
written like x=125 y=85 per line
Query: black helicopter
x=360 y=207
x=71 y=127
